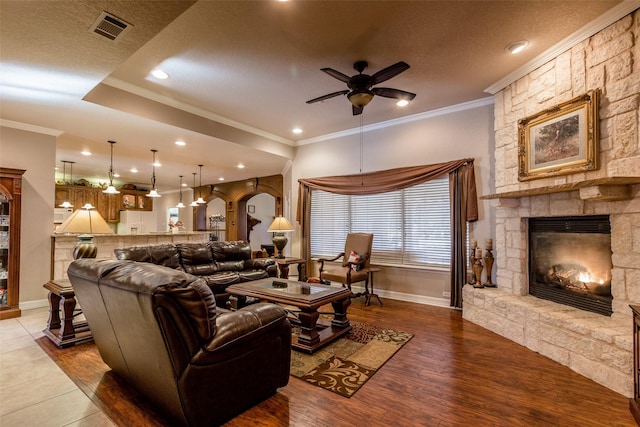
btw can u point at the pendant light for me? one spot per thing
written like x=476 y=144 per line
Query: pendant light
x=154 y=191
x=111 y=189
x=180 y=204
x=194 y=203
x=200 y=200
x=66 y=203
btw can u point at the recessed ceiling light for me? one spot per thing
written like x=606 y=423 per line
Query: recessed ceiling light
x=180 y=142
x=159 y=74
x=402 y=103
x=221 y=179
x=240 y=166
x=133 y=170
x=116 y=175
x=86 y=153
x=296 y=130
x=184 y=184
x=518 y=46
x=157 y=164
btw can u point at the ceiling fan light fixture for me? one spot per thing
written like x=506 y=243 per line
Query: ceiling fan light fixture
x=402 y=103
x=360 y=98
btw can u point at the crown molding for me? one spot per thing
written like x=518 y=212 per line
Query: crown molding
x=30 y=128
x=402 y=120
x=612 y=15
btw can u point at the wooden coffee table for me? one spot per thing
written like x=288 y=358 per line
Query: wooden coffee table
x=307 y=297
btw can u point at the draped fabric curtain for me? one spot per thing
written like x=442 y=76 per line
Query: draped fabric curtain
x=464 y=203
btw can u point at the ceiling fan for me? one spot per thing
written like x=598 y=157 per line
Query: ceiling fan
x=361 y=90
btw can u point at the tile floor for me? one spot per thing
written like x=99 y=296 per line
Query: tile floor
x=33 y=390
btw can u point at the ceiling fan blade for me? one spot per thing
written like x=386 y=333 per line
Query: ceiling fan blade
x=356 y=110
x=336 y=74
x=387 y=92
x=387 y=73
x=327 y=96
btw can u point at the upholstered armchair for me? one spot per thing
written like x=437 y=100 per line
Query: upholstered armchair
x=355 y=261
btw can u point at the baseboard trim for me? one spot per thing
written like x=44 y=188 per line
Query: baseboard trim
x=30 y=305
x=401 y=296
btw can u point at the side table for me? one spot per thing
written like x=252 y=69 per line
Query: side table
x=367 y=294
x=61 y=328
x=283 y=267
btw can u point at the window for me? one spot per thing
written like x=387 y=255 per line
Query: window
x=410 y=226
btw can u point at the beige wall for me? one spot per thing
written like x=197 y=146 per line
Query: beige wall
x=451 y=134
x=34 y=152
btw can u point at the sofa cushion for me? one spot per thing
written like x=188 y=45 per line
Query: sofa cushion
x=197 y=258
x=197 y=300
x=165 y=254
x=231 y=251
x=247 y=275
x=231 y=265
x=133 y=253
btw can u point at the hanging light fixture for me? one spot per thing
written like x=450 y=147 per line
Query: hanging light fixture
x=66 y=203
x=111 y=189
x=200 y=200
x=195 y=202
x=180 y=204
x=154 y=191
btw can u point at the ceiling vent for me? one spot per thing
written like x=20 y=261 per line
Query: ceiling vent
x=109 y=26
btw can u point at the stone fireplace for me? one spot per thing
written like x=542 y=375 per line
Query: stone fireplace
x=598 y=346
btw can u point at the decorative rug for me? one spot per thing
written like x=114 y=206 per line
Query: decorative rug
x=344 y=365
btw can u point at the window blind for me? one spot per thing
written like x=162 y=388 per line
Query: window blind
x=410 y=226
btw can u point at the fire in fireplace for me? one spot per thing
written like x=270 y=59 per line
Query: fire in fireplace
x=570 y=261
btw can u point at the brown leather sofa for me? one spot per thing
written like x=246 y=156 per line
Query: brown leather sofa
x=220 y=264
x=159 y=328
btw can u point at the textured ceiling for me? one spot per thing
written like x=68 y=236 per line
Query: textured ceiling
x=241 y=72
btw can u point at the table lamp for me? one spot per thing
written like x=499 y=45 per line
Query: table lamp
x=278 y=227
x=85 y=221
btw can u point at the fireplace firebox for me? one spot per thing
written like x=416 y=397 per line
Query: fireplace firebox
x=570 y=261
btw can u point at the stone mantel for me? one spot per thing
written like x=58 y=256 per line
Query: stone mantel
x=614 y=188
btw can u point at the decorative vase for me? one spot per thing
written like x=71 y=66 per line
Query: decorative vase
x=488 y=262
x=477 y=271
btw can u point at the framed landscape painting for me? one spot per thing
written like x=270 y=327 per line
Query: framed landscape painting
x=560 y=140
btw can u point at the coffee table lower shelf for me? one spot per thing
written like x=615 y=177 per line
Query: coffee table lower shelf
x=326 y=334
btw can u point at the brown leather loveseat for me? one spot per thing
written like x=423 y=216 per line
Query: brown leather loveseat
x=220 y=264
x=159 y=329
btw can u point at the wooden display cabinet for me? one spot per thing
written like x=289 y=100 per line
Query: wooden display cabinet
x=10 y=207
x=634 y=402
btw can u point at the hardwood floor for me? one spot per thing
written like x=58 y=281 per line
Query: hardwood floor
x=452 y=373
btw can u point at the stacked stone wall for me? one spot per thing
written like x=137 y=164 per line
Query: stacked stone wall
x=596 y=346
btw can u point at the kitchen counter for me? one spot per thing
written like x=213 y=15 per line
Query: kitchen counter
x=62 y=245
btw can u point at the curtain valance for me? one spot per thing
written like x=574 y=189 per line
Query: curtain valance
x=390 y=180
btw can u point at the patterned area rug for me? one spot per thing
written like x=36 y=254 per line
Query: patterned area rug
x=344 y=365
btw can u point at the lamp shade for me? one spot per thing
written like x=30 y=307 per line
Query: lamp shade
x=85 y=221
x=280 y=224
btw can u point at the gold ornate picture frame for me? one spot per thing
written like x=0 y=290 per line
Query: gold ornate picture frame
x=560 y=140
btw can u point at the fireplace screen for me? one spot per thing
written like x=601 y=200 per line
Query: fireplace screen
x=570 y=261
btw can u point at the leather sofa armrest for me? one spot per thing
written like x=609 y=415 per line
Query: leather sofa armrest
x=258 y=263
x=239 y=327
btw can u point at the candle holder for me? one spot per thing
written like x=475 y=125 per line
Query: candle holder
x=488 y=262
x=472 y=258
x=477 y=271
